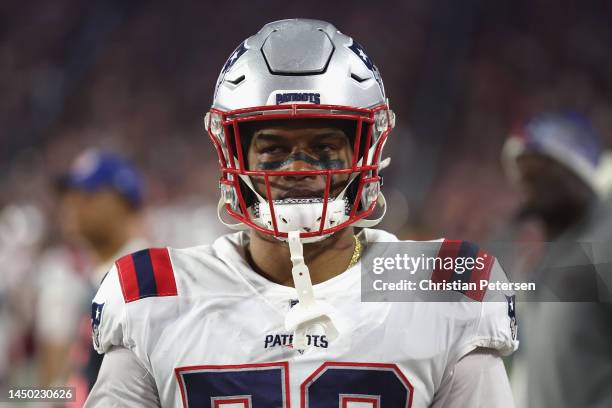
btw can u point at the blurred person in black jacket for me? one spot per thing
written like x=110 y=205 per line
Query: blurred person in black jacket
x=557 y=161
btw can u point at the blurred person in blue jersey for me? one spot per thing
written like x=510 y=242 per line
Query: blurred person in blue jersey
x=100 y=216
x=561 y=168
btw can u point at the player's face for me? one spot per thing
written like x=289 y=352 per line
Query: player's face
x=313 y=146
x=547 y=186
x=91 y=216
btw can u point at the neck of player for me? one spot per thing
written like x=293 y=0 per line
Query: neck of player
x=325 y=259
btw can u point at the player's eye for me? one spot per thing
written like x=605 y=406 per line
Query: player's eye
x=273 y=149
x=325 y=147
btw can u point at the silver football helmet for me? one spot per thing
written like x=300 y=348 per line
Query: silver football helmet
x=299 y=69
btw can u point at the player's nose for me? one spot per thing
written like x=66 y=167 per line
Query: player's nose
x=301 y=162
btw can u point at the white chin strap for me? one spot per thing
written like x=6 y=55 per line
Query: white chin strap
x=308 y=313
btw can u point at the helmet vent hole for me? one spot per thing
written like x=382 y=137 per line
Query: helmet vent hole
x=237 y=80
x=319 y=219
x=307 y=229
x=284 y=220
x=358 y=78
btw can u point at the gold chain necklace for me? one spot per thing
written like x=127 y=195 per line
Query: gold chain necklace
x=356 y=252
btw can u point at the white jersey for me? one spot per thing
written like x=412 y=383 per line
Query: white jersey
x=210 y=331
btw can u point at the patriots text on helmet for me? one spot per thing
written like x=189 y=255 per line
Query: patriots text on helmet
x=306 y=97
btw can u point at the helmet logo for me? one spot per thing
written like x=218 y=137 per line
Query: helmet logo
x=241 y=49
x=358 y=50
x=234 y=57
x=307 y=97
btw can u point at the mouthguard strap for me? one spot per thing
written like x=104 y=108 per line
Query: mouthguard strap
x=308 y=312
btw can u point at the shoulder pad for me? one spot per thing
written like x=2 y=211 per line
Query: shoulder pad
x=471 y=264
x=498 y=326
x=146 y=273
x=108 y=315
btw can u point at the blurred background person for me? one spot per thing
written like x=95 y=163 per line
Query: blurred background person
x=100 y=215
x=557 y=161
x=22 y=228
x=554 y=159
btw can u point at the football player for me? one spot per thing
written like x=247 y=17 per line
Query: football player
x=271 y=316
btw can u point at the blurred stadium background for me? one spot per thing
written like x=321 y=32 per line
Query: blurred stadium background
x=136 y=77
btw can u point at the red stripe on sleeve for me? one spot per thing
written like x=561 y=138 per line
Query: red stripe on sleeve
x=449 y=249
x=479 y=274
x=127 y=278
x=162 y=269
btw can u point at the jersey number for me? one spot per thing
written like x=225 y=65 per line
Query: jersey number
x=344 y=385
